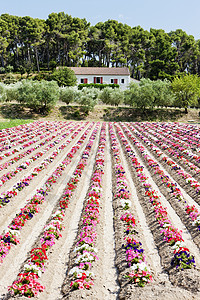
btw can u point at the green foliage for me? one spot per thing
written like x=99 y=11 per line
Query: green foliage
x=39 y=96
x=112 y=96
x=88 y=99
x=162 y=93
x=12 y=92
x=30 y=44
x=186 y=90
x=64 y=77
x=41 y=76
x=149 y=94
x=67 y=94
x=106 y=95
x=9 y=78
x=2 y=92
x=97 y=85
x=9 y=69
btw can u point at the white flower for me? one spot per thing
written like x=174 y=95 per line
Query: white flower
x=34 y=268
x=141 y=266
x=15 y=232
x=165 y=225
x=178 y=245
x=125 y=202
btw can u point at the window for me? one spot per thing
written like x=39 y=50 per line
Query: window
x=122 y=80
x=98 y=80
x=84 y=80
x=114 y=81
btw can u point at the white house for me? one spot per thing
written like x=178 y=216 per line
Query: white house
x=119 y=76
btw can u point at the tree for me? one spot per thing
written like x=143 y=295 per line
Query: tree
x=2 y=92
x=163 y=95
x=149 y=93
x=67 y=94
x=186 y=90
x=12 y=91
x=88 y=99
x=161 y=61
x=186 y=50
x=4 y=34
x=106 y=95
x=145 y=96
x=112 y=96
x=40 y=96
x=64 y=77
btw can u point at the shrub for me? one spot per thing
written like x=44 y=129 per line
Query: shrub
x=2 y=92
x=64 y=77
x=9 y=78
x=12 y=91
x=40 y=96
x=87 y=99
x=112 y=96
x=97 y=85
x=67 y=94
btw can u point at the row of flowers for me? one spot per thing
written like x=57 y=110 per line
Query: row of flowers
x=164 y=143
x=27 y=283
x=178 y=138
x=6 y=196
x=28 y=137
x=48 y=136
x=186 y=135
x=11 y=235
x=138 y=271
x=23 y=166
x=172 y=186
x=13 y=134
x=81 y=276
x=182 y=259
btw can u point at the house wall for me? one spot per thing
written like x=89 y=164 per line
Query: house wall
x=106 y=79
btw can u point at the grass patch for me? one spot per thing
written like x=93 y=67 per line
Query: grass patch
x=13 y=123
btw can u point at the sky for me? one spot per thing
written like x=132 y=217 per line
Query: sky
x=159 y=14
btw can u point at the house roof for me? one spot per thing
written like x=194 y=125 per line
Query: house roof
x=100 y=71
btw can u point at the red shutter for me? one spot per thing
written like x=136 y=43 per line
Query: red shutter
x=85 y=80
x=115 y=81
x=95 y=80
x=101 y=80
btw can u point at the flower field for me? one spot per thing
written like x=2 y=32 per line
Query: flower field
x=100 y=211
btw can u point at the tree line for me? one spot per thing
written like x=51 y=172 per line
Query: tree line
x=31 y=44
x=42 y=96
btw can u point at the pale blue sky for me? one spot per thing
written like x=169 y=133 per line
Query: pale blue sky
x=165 y=14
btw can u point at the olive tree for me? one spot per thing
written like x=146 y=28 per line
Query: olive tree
x=12 y=91
x=186 y=90
x=2 y=93
x=111 y=96
x=40 y=96
x=88 y=98
x=67 y=94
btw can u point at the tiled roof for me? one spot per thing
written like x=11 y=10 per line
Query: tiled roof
x=100 y=71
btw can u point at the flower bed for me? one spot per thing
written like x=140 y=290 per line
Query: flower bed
x=180 y=257
x=174 y=191
x=34 y=203
x=137 y=270
x=85 y=252
x=52 y=231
